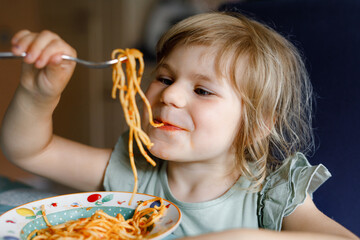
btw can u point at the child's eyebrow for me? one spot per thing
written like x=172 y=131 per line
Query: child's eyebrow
x=196 y=76
x=165 y=66
x=202 y=77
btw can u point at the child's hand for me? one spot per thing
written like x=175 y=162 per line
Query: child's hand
x=44 y=73
x=26 y=133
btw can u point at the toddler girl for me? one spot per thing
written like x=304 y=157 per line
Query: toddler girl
x=235 y=102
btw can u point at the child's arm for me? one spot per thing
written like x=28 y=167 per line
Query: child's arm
x=306 y=222
x=26 y=135
x=308 y=218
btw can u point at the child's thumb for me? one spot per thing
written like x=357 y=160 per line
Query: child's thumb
x=59 y=69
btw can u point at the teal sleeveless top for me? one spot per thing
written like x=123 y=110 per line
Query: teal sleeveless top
x=283 y=190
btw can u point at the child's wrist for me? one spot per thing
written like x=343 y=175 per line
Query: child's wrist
x=36 y=102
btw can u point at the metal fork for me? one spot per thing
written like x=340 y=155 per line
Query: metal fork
x=89 y=64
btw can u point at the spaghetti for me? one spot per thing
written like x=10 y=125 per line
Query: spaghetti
x=128 y=86
x=103 y=226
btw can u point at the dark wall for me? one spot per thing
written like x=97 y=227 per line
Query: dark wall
x=328 y=34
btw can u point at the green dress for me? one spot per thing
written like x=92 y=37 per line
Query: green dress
x=283 y=190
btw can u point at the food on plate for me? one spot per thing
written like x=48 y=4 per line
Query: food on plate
x=103 y=226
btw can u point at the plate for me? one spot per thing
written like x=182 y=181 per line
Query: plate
x=19 y=222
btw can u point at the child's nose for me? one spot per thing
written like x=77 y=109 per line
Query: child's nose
x=174 y=95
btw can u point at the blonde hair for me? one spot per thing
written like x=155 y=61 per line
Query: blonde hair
x=274 y=87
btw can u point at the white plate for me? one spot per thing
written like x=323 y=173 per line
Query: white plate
x=20 y=221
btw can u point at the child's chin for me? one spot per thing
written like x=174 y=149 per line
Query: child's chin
x=160 y=153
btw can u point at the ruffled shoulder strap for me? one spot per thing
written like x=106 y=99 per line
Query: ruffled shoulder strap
x=286 y=188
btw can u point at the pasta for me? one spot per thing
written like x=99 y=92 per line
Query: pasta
x=103 y=226
x=128 y=85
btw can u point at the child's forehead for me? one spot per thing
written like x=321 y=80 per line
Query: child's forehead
x=223 y=63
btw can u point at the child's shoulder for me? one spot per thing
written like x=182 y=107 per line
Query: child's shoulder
x=296 y=164
x=286 y=188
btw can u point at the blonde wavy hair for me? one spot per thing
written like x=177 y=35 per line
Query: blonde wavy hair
x=274 y=87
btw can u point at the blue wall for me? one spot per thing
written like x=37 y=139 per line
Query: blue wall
x=328 y=34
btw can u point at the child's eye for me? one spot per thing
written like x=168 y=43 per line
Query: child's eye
x=202 y=92
x=164 y=80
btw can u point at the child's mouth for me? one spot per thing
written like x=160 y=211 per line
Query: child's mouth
x=167 y=126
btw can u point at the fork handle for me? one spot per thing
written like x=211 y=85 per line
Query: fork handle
x=66 y=57
x=11 y=55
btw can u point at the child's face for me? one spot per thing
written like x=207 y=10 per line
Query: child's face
x=200 y=112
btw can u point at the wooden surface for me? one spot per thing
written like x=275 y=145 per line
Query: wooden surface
x=86 y=112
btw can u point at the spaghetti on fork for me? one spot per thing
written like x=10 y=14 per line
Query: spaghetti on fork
x=128 y=86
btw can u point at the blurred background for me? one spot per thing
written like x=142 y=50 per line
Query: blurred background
x=87 y=113
x=326 y=32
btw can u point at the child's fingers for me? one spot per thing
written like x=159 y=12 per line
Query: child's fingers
x=40 y=43
x=52 y=53
x=18 y=36
x=32 y=43
x=23 y=42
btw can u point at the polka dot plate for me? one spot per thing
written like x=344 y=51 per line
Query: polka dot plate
x=17 y=223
